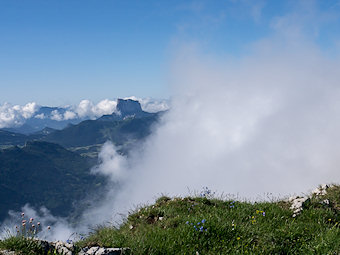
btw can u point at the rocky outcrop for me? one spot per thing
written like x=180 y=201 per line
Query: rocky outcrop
x=70 y=249
x=5 y=252
x=297 y=203
x=104 y=251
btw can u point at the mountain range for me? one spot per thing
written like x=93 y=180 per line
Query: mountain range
x=51 y=167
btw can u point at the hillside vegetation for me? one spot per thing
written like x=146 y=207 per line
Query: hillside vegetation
x=44 y=174
x=207 y=225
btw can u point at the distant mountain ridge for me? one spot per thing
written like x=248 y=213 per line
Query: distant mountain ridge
x=45 y=117
x=31 y=118
x=129 y=124
x=52 y=167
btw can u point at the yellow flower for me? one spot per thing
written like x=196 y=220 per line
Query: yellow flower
x=238 y=238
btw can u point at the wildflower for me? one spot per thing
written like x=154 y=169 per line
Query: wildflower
x=187 y=222
x=38 y=223
x=23 y=224
x=238 y=238
x=24 y=221
x=329 y=219
x=31 y=220
x=33 y=226
x=203 y=221
x=22 y=214
x=264 y=214
x=48 y=227
x=198 y=223
x=201 y=228
x=69 y=241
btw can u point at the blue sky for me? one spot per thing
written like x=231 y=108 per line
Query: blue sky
x=60 y=52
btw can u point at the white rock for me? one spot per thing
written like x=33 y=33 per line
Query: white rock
x=92 y=250
x=297 y=204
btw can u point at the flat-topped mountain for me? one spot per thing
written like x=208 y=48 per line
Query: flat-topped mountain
x=129 y=124
x=127 y=108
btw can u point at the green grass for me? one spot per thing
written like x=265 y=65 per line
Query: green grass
x=207 y=225
x=229 y=227
x=21 y=245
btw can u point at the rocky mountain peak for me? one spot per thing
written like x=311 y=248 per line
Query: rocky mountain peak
x=128 y=106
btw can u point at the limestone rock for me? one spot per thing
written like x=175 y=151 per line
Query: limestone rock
x=6 y=252
x=103 y=251
x=322 y=190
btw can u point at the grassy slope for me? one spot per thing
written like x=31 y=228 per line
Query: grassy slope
x=214 y=226
x=172 y=226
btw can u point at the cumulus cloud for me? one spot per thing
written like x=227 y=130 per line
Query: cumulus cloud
x=55 y=115
x=87 y=109
x=69 y=115
x=40 y=116
x=12 y=116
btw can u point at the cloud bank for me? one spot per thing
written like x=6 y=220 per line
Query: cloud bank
x=263 y=123
x=16 y=115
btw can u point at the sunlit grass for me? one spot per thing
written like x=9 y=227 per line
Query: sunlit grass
x=215 y=226
x=204 y=224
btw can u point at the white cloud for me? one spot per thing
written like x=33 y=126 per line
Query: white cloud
x=40 y=116
x=87 y=109
x=55 y=115
x=69 y=115
x=11 y=116
x=266 y=123
x=111 y=164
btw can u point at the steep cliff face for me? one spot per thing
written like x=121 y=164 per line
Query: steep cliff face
x=127 y=108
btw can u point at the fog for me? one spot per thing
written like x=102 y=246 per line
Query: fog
x=264 y=122
x=268 y=123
